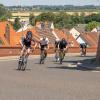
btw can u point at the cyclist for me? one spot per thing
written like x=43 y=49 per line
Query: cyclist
x=57 y=41
x=83 y=47
x=44 y=45
x=63 y=46
x=26 y=44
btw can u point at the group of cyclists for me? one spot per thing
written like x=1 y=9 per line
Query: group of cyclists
x=61 y=46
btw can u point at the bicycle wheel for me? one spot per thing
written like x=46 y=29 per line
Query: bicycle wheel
x=61 y=56
x=24 y=65
x=19 y=65
x=42 y=57
x=57 y=56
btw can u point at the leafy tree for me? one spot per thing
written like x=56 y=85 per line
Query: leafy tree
x=32 y=19
x=17 y=24
x=93 y=17
x=63 y=20
x=4 y=13
x=92 y=25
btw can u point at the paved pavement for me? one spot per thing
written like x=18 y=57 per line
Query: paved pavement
x=50 y=81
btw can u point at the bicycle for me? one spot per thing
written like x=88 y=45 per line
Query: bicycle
x=83 y=52
x=42 y=56
x=61 y=55
x=22 y=63
x=57 y=55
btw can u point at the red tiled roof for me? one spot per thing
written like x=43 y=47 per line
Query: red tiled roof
x=68 y=37
x=2 y=33
x=91 y=38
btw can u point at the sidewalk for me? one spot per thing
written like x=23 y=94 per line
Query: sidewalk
x=89 y=64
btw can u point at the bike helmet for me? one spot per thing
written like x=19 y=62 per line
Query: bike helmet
x=29 y=35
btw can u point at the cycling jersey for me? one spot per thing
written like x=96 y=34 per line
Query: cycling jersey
x=27 y=42
x=43 y=44
x=62 y=44
x=56 y=44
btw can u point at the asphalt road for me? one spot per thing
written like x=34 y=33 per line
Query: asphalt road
x=50 y=81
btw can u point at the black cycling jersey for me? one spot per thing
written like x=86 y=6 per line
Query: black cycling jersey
x=56 y=44
x=27 y=42
x=62 y=44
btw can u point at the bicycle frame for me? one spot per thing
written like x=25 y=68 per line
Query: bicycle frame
x=61 y=55
x=42 y=56
x=23 y=63
x=57 y=55
x=83 y=51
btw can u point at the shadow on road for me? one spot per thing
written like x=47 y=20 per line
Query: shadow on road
x=70 y=68
x=71 y=63
x=25 y=69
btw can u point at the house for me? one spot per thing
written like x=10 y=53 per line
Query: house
x=25 y=26
x=76 y=35
x=7 y=34
x=94 y=30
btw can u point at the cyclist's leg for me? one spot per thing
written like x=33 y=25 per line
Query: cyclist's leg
x=45 y=53
x=64 y=52
x=41 y=54
x=84 y=51
x=27 y=52
x=60 y=53
x=22 y=52
x=41 y=51
x=57 y=54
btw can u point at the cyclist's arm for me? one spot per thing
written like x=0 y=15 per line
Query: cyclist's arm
x=39 y=44
x=21 y=43
x=34 y=43
x=47 y=46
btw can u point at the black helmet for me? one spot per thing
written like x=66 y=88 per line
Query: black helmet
x=29 y=35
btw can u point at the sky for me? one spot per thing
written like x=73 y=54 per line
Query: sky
x=49 y=2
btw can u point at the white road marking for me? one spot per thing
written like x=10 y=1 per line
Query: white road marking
x=96 y=71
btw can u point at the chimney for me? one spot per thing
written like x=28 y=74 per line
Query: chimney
x=7 y=33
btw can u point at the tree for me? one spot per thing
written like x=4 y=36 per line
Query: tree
x=92 y=25
x=46 y=16
x=17 y=24
x=32 y=19
x=4 y=13
x=93 y=17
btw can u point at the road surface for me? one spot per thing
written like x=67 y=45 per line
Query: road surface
x=50 y=81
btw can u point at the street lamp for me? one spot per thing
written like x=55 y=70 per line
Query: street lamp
x=98 y=48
